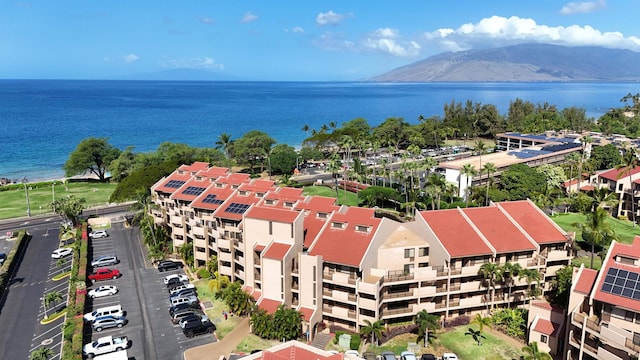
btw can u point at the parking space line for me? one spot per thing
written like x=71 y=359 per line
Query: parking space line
x=46 y=332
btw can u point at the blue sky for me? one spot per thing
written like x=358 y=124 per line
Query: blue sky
x=285 y=40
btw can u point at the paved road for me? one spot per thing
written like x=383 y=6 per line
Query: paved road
x=19 y=321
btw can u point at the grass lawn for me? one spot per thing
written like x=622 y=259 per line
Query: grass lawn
x=492 y=347
x=223 y=327
x=14 y=203
x=586 y=260
x=624 y=229
x=351 y=198
x=253 y=342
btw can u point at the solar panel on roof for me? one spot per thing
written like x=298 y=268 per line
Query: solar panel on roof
x=236 y=208
x=174 y=184
x=622 y=283
x=212 y=199
x=193 y=190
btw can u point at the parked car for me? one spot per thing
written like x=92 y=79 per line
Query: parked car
x=178 y=287
x=388 y=355
x=114 y=310
x=369 y=356
x=105 y=261
x=104 y=274
x=193 y=328
x=3 y=258
x=184 y=313
x=194 y=317
x=105 y=345
x=182 y=306
x=174 y=282
x=61 y=252
x=352 y=354
x=449 y=356
x=105 y=290
x=183 y=292
x=185 y=299
x=428 y=357
x=181 y=277
x=98 y=234
x=408 y=355
x=109 y=321
x=165 y=265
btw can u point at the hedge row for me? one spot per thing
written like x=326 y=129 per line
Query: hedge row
x=73 y=327
x=10 y=263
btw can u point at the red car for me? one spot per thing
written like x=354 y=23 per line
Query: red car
x=104 y=274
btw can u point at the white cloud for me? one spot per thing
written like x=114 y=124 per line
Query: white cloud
x=501 y=31
x=582 y=7
x=249 y=17
x=204 y=63
x=388 y=41
x=329 y=18
x=206 y=20
x=297 y=29
x=130 y=58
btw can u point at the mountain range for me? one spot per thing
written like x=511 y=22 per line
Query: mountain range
x=522 y=63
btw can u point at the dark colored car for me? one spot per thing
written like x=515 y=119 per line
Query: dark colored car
x=198 y=327
x=388 y=355
x=3 y=258
x=428 y=357
x=104 y=274
x=173 y=283
x=165 y=265
x=179 y=307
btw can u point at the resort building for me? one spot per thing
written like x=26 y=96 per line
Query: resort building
x=343 y=265
x=604 y=307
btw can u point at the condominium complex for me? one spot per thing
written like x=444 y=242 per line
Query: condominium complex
x=344 y=265
x=604 y=307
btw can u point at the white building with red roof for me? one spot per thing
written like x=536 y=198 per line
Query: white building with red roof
x=625 y=182
x=604 y=307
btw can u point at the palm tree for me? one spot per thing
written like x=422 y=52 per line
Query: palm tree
x=476 y=334
x=427 y=325
x=49 y=298
x=218 y=282
x=585 y=140
x=480 y=148
x=530 y=275
x=596 y=230
x=375 y=330
x=603 y=197
x=532 y=352
x=436 y=184
x=469 y=171
x=572 y=160
x=489 y=271
x=509 y=271
x=629 y=163
x=224 y=142
x=481 y=321
x=41 y=353
x=489 y=168
x=333 y=168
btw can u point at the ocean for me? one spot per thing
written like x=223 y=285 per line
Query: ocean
x=42 y=121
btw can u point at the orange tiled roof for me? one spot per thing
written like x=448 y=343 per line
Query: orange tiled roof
x=455 y=233
x=585 y=281
x=617 y=174
x=533 y=221
x=176 y=176
x=212 y=192
x=272 y=214
x=195 y=167
x=276 y=251
x=346 y=245
x=295 y=351
x=213 y=172
x=225 y=212
x=498 y=229
x=186 y=191
x=269 y=305
x=306 y=312
x=258 y=185
x=546 y=327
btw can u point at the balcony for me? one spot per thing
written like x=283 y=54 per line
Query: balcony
x=441 y=305
x=631 y=345
x=224 y=256
x=294 y=285
x=341 y=278
x=396 y=295
x=256 y=261
x=453 y=303
x=454 y=287
x=200 y=243
x=224 y=243
x=389 y=312
x=398 y=275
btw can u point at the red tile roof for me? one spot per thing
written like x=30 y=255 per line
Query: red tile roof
x=203 y=183
x=272 y=214
x=455 y=233
x=295 y=350
x=214 y=172
x=346 y=246
x=585 y=281
x=318 y=204
x=259 y=247
x=258 y=186
x=617 y=174
x=276 y=251
x=306 y=312
x=195 y=167
x=313 y=224
x=546 y=327
x=234 y=179
x=533 y=221
x=615 y=250
x=185 y=176
x=220 y=194
x=269 y=305
x=498 y=229
x=222 y=212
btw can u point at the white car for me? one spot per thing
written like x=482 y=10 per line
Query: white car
x=449 y=356
x=98 y=234
x=61 y=252
x=180 y=277
x=104 y=290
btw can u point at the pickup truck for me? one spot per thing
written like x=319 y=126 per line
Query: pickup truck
x=105 y=345
x=118 y=355
x=104 y=274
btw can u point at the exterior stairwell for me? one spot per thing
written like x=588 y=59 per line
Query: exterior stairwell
x=321 y=340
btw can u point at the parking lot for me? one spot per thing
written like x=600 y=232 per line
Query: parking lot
x=143 y=296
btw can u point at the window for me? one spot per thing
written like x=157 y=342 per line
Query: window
x=337 y=225
x=270 y=227
x=424 y=251
x=407 y=268
x=409 y=253
x=322 y=215
x=423 y=264
x=361 y=228
x=619 y=187
x=543 y=338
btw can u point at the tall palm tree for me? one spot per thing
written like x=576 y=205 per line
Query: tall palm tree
x=469 y=171
x=572 y=160
x=49 y=298
x=427 y=325
x=585 y=141
x=603 y=197
x=531 y=276
x=375 y=330
x=596 y=229
x=532 y=352
x=480 y=147
x=224 y=142
x=481 y=322
x=218 y=282
x=509 y=271
x=489 y=271
x=41 y=353
x=489 y=168
x=436 y=184
x=334 y=167
x=629 y=163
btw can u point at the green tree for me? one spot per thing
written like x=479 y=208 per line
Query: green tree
x=469 y=171
x=531 y=276
x=51 y=298
x=596 y=230
x=561 y=284
x=489 y=168
x=70 y=208
x=532 y=352
x=476 y=334
x=605 y=157
x=629 y=163
x=93 y=155
x=41 y=353
x=123 y=165
x=522 y=182
x=481 y=322
x=287 y=323
x=509 y=271
x=490 y=271
x=262 y=324
x=480 y=148
x=186 y=253
x=253 y=148
x=372 y=330
x=427 y=326
x=283 y=159
x=225 y=143
x=218 y=282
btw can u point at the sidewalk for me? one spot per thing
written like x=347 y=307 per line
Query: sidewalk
x=223 y=347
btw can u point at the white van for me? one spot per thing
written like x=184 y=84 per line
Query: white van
x=115 y=310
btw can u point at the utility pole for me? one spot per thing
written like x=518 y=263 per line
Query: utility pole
x=26 y=194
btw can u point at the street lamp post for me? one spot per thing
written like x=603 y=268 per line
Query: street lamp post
x=26 y=194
